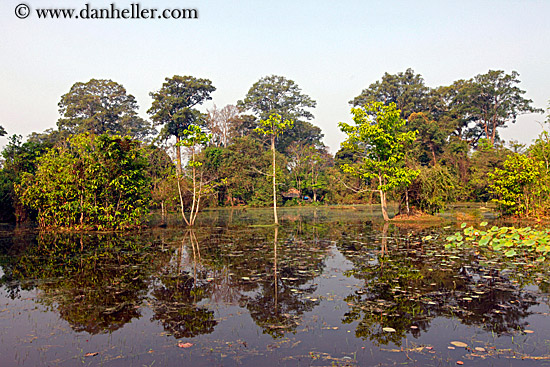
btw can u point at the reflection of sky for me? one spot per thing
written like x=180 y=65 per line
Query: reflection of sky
x=332 y=50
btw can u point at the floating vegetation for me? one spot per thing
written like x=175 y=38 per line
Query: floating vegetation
x=526 y=243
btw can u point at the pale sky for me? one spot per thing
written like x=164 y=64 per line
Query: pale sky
x=331 y=49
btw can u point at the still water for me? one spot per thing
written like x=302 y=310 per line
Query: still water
x=327 y=287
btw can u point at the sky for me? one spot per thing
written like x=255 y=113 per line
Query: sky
x=331 y=49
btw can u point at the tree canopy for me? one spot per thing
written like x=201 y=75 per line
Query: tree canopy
x=101 y=106
x=405 y=89
x=494 y=99
x=278 y=95
x=173 y=106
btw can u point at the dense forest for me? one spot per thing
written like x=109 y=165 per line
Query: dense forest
x=105 y=167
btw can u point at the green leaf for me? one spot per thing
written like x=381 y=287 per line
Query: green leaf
x=510 y=253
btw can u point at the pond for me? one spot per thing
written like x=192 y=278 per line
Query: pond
x=329 y=286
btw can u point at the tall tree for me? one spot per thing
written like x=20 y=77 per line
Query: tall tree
x=193 y=137
x=278 y=95
x=431 y=137
x=101 y=106
x=405 y=89
x=272 y=127
x=173 y=107
x=223 y=124
x=492 y=100
x=379 y=139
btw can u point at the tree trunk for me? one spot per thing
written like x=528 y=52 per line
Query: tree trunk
x=274 y=183
x=384 y=205
x=383 y=199
x=181 y=201
x=178 y=156
x=407 y=202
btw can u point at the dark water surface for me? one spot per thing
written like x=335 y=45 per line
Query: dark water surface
x=327 y=287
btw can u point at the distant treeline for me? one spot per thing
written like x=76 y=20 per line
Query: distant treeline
x=106 y=167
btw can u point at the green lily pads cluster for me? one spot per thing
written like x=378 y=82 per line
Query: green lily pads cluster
x=504 y=241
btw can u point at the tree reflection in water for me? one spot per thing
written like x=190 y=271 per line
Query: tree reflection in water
x=409 y=282
x=95 y=282
x=178 y=292
x=100 y=282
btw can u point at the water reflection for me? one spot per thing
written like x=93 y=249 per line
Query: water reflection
x=409 y=282
x=95 y=283
x=190 y=284
x=281 y=299
x=178 y=290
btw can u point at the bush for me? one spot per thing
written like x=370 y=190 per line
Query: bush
x=89 y=182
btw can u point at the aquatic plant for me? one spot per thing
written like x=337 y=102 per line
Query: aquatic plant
x=510 y=242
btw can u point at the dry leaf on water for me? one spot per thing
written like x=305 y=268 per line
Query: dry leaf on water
x=459 y=344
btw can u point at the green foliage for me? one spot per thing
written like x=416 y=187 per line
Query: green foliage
x=101 y=106
x=405 y=89
x=173 y=105
x=90 y=182
x=431 y=137
x=278 y=95
x=245 y=165
x=481 y=163
x=380 y=142
x=161 y=172
x=518 y=187
x=507 y=242
x=433 y=189
x=492 y=100
x=19 y=158
x=274 y=125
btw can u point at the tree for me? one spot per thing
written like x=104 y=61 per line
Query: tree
x=484 y=160
x=193 y=137
x=519 y=185
x=272 y=127
x=406 y=90
x=19 y=158
x=223 y=124
x=173 y=107
x=161 y=172
x=431 y=138
x=307 y=164
x=492 y=100
x=278 y=95
x=101 y=106
x=90 y=182
x=380 y=141
x=241 y=168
